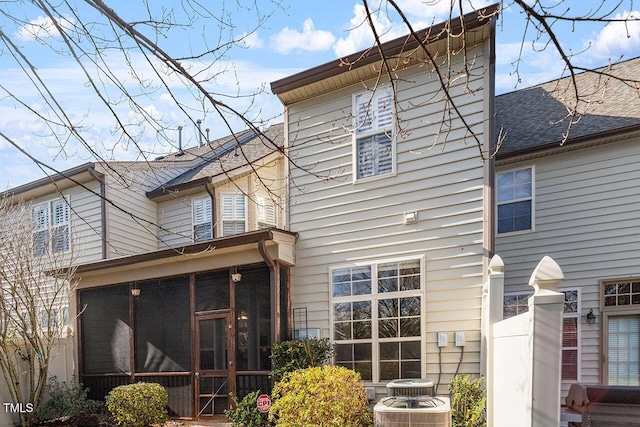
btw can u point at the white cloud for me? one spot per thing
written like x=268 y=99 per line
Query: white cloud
x=533 y=66
x=41 y=28
x=360 y=35
x=438 y=9
x=251 y=41
x=618 y=38
x=309 y=39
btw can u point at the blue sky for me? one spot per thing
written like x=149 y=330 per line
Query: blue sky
x=297 y=35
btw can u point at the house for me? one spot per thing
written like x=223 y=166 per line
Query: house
x=394 y=228
x=365 y=218
x=184 y=271
x=577 y=202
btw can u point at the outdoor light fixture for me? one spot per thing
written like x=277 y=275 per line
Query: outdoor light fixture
x=590 y=317
x=135 y=291
x=235 y=276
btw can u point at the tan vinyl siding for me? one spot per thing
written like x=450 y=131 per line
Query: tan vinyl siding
x=341 y=222
x=132 y=221
x=86 y=223
x=175 y=218
x=586 y=218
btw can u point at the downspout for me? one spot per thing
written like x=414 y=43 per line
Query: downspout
x=274 y=287
x=103 y=207
x=212 y=194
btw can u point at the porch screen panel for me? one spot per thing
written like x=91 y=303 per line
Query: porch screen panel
x=212 y=291
x=253 y=314
x=105 y=330
x=163 y=325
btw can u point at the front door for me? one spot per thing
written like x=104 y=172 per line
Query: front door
x=214 y=367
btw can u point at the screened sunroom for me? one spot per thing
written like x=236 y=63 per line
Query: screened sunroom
x=203 y=332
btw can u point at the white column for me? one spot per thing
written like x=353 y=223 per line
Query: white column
x=545 y=310
x=493 y=301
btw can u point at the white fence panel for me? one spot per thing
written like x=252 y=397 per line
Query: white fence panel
x=524 y=353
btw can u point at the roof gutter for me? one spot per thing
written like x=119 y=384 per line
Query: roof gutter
x=67 y=174
x=573 y=143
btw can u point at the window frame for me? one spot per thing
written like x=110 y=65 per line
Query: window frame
x=565 y=315
x=608 y=311
x=516 y=200
x=51 y=227
x=235 y=219
x=194 y=220
x=374 y=297
x=388 y=130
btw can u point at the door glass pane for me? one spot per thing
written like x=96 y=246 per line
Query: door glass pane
x=213 y=344
x=623 y=350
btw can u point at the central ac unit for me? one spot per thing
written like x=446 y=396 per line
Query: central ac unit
x=412 y=411
x=410 y=387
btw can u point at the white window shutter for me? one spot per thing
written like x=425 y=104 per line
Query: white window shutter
x=233 y=214
x=201 y=210
x=60 y=212
x=202 y=229
x=41 y=217
x=266 y=212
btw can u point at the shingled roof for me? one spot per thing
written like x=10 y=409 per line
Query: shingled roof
x=220 y=157
x=536 y=117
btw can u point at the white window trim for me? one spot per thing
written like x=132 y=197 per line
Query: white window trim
x=567 y=315
x=50 y=226
x=389 y=130
x=533 y=201
x=375 y=350
x=194 y=222
x=235 y=219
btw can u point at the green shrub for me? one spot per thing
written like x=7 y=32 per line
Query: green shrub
x=139 y=404
x=288 y=356
x=246 y=413
x=65 y=400
x=468 y=402
x=320 y=396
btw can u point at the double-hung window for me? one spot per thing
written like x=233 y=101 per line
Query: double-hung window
x=515 y=200
x=233 y=214
x=266 y=211
x=202 y=221
x=374 y=152
x=515 y=304
x=376 y=312
x=51 y=232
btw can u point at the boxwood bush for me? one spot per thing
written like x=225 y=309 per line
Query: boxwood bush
x=468 y=401
x=320 y=396
x=139 y=404
x=287 y=356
